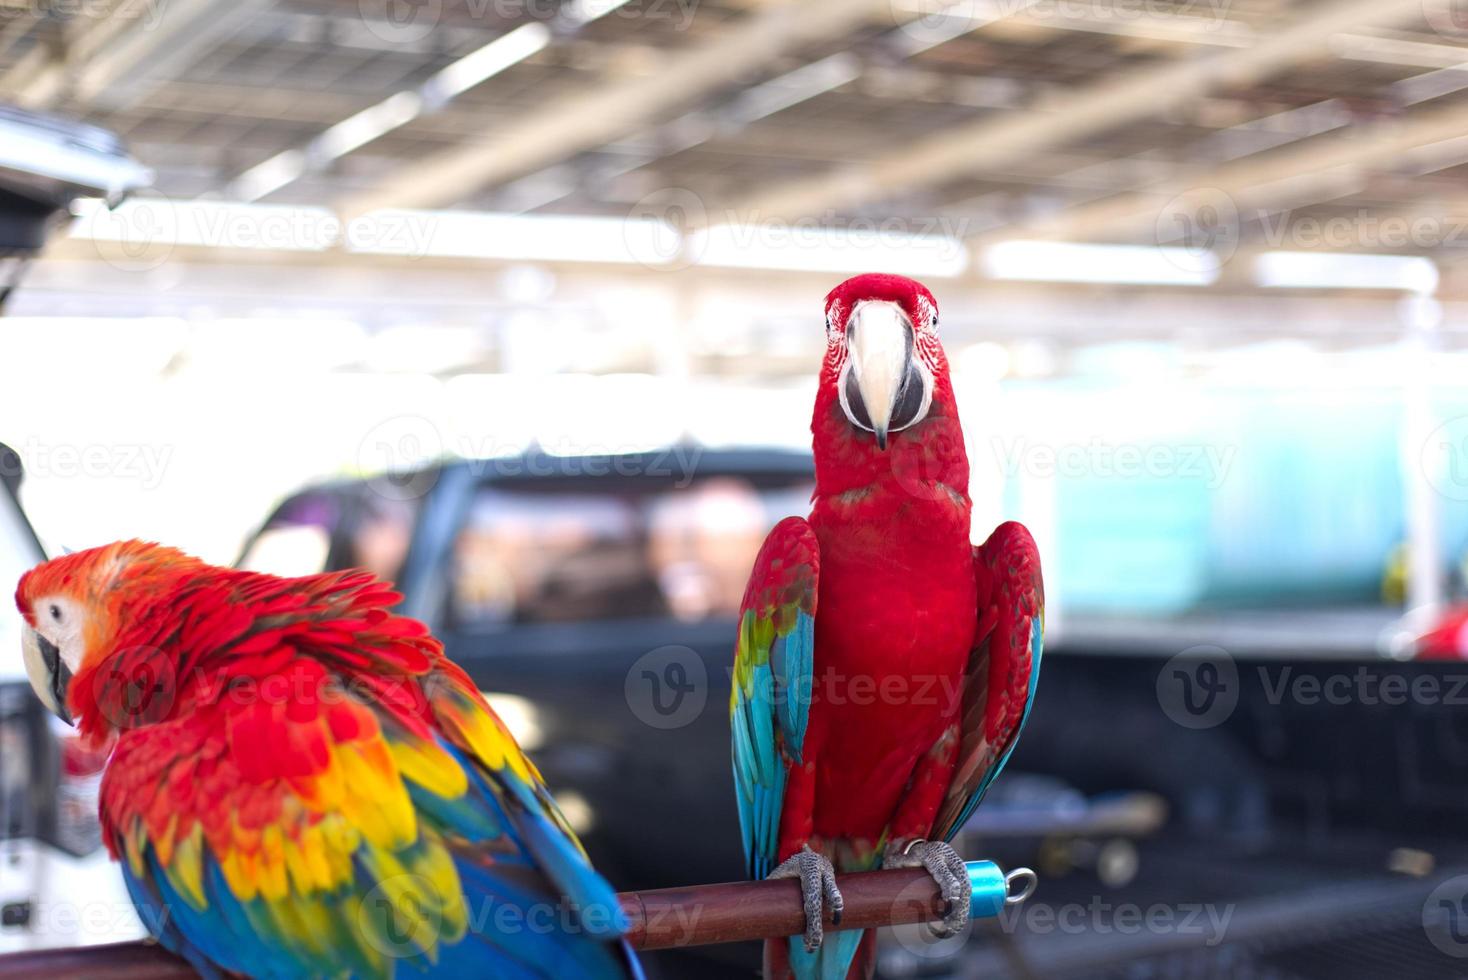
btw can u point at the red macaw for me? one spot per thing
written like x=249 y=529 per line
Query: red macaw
x=302 y=785
x=884 y=664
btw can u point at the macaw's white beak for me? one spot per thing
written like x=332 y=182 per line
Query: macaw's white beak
x=48 y=673
x=885 y=388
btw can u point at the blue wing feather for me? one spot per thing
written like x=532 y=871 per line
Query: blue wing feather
x=760 y=759
x=770 y=704
x=798 y=651
x=503 y=847
x=544 y=845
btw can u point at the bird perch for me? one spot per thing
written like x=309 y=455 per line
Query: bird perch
x=665 y=918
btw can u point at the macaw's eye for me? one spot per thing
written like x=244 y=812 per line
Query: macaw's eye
x=56 y=612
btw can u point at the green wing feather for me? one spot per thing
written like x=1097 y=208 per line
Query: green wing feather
x=773 y=667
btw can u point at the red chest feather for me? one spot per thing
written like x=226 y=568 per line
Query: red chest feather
x=898 y=612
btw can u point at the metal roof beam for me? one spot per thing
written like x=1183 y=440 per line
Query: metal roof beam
x=1070 y=115
x=111 y=61
x=611 y=111
x=1312 y=170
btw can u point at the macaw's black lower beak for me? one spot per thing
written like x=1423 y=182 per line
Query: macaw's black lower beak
x=49 y=674
x=884 y=390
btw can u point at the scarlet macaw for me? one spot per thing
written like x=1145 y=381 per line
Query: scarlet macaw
x=884 y=664
x=302 y=785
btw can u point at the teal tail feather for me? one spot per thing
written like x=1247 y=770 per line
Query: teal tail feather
x=851 y=954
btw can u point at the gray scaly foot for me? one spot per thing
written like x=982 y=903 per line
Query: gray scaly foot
x=817 y=882
x=947 y=869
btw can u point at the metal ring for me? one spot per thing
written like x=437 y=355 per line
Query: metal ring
x=1034 y=882
x=913 y=843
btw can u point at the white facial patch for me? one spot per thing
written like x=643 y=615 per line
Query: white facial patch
x=60 y=620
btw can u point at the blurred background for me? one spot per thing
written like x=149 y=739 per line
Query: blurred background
x=518 y=302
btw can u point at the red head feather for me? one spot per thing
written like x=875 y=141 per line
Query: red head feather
x=100 y=609
x=148 y=631
x=926 y=454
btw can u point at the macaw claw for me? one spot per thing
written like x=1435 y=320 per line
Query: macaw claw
x=946 y=867
x=817 y=885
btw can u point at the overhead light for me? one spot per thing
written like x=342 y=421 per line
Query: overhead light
x=1277 y=129
x=586 y=11
x=491 y=235
x=1343 y=270
x=924 y=25
x=521 y=237
x=1428 y=85
x=1396 y=51
x=486 y=62
x=1046 y=261
x=803 y=249
x=267 y=177
x=349 y=134
x=154 y=221
x=795 y=87
x=393 y=112
x=354 y=131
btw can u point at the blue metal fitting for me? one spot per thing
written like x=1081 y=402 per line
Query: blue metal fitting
x=990 y=888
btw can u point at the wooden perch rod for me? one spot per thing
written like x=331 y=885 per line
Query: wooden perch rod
x=698 y=915
x=702 y=915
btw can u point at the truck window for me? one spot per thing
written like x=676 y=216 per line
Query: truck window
x=534 y=555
